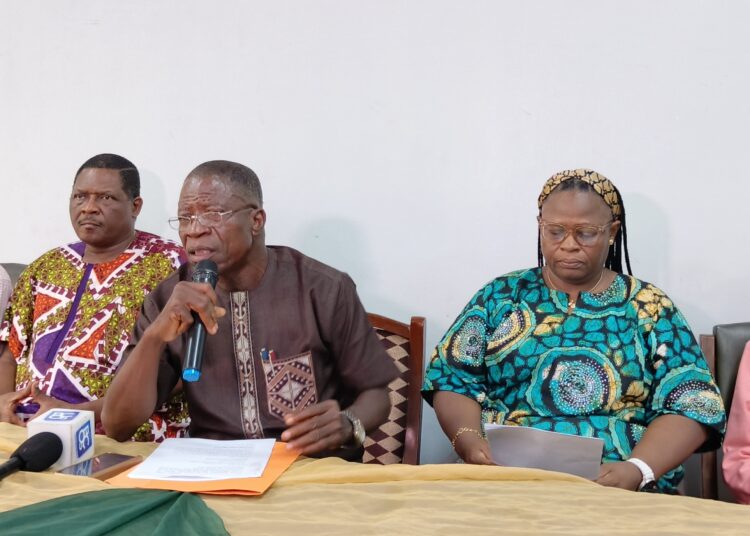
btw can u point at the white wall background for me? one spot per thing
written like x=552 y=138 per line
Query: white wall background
x=404 y=142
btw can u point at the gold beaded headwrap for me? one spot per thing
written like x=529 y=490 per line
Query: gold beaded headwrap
x=599 y=183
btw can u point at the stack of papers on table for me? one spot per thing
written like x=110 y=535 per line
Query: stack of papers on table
x=242 y=467
x=522 y=446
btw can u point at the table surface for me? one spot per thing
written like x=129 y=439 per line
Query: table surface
x=334 y=497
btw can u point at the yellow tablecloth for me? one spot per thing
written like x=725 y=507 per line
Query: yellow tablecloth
x=335 y=497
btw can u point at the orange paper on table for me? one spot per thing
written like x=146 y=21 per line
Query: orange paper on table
x=280 y=460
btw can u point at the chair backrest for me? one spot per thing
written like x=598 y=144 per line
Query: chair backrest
x=730 y=340
x=397 y=440
x=723 y=351
x=14 y=270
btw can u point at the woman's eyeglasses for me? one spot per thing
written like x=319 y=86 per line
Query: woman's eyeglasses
x=585 y=235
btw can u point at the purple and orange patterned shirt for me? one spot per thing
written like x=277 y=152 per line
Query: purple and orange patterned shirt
x=68 y=323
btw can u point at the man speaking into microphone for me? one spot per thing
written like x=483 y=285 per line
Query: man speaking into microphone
x=289 y=351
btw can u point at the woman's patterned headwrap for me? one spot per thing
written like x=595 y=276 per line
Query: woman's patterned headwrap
x=599 y=183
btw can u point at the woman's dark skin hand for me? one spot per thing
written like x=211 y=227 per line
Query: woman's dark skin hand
x=472 y=448
x=456 y=412
x=623 y=475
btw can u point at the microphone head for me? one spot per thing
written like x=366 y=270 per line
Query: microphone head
x=206 y=271
x=39 y=451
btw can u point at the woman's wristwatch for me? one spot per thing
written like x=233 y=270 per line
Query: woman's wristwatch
x=646 y=471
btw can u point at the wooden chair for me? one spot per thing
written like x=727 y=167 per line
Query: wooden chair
x=397 y=441
x=723 y=351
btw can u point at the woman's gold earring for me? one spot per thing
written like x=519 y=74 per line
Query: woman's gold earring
x=611 y=241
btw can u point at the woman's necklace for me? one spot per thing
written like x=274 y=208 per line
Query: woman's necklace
x=572 y=301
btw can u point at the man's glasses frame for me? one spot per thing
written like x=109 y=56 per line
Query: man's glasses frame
x=209 y=219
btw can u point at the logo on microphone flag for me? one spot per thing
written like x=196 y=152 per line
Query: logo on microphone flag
x=84 y=440
x=59 y=415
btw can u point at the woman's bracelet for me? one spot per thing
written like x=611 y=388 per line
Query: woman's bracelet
x=461 y=431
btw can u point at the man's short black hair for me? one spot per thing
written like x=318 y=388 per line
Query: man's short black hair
x=242 y=176
x=131 y=180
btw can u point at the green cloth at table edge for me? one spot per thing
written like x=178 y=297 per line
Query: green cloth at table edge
x=115 y=511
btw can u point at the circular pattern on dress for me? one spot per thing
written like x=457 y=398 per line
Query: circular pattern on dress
x=468 y=342
x=573 y=381
x=697 y=400
x=511 y=331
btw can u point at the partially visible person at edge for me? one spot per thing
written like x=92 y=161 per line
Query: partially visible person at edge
x=576 y=346
x=73 y=309
x=6 y=288
x=736 y=463
x=290 y=352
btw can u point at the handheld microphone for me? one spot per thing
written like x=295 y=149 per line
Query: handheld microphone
x=35 y=454
x=206 y=271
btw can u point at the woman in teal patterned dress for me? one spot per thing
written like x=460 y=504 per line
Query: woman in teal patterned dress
x=576 y=346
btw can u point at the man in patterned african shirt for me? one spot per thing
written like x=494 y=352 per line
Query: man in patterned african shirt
x=73 y=309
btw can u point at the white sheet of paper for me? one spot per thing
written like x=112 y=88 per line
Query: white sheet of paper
x=522 y=446
x=192 y=460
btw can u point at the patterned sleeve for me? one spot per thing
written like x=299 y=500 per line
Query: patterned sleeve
x=682 y=383
x=19 y=316
x=457 y=363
